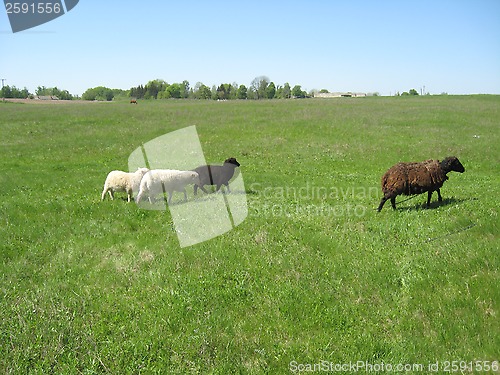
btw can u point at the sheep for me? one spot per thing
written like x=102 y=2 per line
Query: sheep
x=417 y=178
x=123 y=181
x=157 y=181
x=216 y=175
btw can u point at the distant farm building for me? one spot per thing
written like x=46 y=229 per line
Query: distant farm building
x=340 y=95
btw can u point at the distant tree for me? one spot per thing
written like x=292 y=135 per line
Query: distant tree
x=137 y=92
x=279 y=92
x=119 y=93
x=225 y=91
x=259 y=86
x=242 y=92
x=297 y=92
x=98 y=93
x=201 y=91
x=413 y=92
x=287 y=91
x=185 y=89
x=13 y=92
x=213 y=93
x=324 y=91
x=7 y=92
x=175 y=90
x=53 y=91
x=251 y=93
x=154 y=87
x=270 y=90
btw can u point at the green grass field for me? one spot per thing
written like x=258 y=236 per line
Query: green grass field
x=313 y=274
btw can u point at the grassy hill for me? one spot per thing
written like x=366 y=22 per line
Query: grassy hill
x=313 y=274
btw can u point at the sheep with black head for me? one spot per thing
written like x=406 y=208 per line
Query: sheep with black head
x=216 y=175
x=417 y=178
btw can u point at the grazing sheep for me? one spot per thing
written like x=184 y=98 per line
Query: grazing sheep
x=157 y=181
x=123 y=181
x=417 y=178
x=216 y=175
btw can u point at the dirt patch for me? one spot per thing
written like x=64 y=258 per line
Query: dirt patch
x=45 y=101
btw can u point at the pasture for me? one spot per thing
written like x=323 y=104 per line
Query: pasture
x=313 y=274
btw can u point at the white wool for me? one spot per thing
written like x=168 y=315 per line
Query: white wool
x=123 y=181
x=156 y=181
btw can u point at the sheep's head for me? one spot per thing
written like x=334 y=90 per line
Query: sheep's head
x=452 y=163
x=195 y=178
x=232 y=161
x=142 y=171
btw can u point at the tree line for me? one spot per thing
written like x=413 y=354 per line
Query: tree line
x=13 y=92
x=260 y=88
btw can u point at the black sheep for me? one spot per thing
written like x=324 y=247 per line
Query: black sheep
x=417 y=178
x=216 y=175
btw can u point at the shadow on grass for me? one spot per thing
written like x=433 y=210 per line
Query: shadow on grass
x=434 y=204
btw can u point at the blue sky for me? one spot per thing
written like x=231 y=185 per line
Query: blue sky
x=380 y=46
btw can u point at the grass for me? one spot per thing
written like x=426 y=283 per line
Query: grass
x=313 y=274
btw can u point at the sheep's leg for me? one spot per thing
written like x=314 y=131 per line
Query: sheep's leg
x=227 y=186
x=185 y=195
x=393 y=203
x=103 y=195
x=111 y=194
x=138 y=198
x=169 y=197
x=195 y=189
x=440 y=198
x=429 y=195
x=203 y=189
x=382 y=202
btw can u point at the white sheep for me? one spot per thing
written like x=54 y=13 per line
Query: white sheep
x=123 y=181
x=157 y=181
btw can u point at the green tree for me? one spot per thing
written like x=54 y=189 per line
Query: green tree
x=271 y=90
x=98 y=93
x=251 y=93
x=213 y=93
x=137 y=92
x=287 y=91
x=224 y=91
x=259 y=86
x=185 y=89
x=154 y=87
x=53 y=91
x=13 y=92
x=201 y=91
x=297 y=92
x=175 y=90
x=242 y=92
